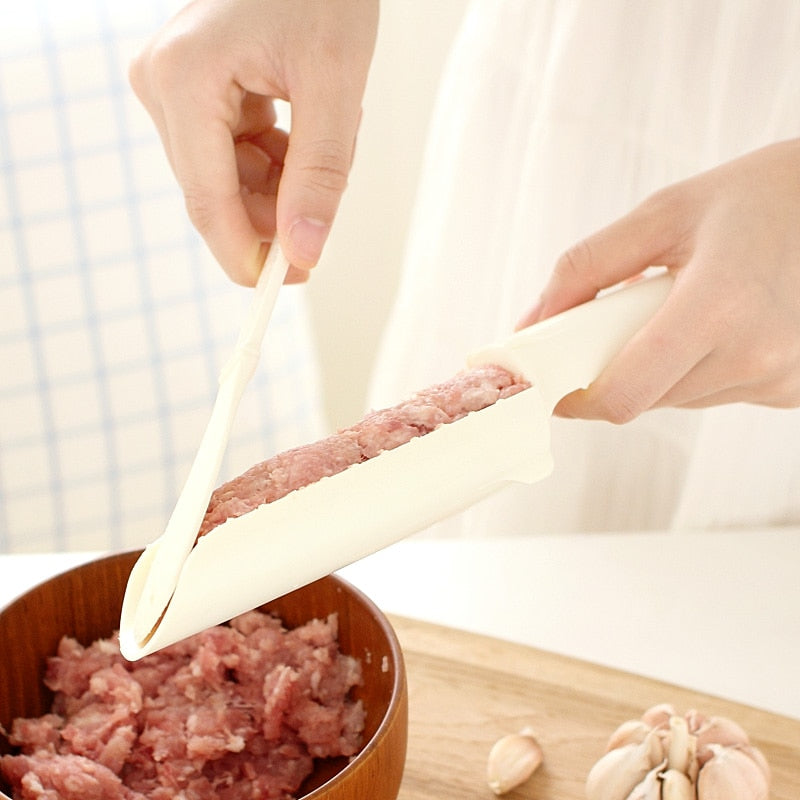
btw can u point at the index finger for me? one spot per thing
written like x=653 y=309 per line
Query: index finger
x=657 y=357
x=651 y=234
x=204 y=160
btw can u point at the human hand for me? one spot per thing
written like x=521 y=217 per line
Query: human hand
x=730 y=329
x=208 y=79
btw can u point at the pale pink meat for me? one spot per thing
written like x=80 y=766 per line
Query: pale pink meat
x=470 y=390
x=238 y=711
x=47 y=776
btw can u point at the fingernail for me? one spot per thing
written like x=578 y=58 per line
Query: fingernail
x=307 y=238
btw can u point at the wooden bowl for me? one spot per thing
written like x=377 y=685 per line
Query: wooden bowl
x=85 y=602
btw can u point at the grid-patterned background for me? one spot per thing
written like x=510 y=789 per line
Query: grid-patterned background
x=114 y=322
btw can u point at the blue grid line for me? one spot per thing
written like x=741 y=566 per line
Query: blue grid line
x=37 y=348
x=278 y=368
x=212 y=364
x=109 y=204
x=44 y=104
x=134 y=468
x=138 y=253
x=81 y=151
x=60 y=106
x=201 y=292
x=98 y=265
x=80 y=39
x=111 y=369
x=121 y=314
x=89 y=479
x=199 y=401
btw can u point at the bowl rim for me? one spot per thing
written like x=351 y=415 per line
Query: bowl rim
x=396 y=696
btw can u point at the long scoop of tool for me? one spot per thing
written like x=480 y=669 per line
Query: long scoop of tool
x=315 y=530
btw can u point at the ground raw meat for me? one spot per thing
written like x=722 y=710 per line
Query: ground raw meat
x=238 y=711
x=471 y=390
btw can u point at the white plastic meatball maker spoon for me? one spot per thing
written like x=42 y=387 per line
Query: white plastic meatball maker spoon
x=159 y=566
x=313 y=531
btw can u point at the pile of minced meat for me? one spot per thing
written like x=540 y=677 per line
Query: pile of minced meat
x=468 y=391
x=238 y=711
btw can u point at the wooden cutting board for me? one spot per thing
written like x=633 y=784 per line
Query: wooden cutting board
x=466 y=691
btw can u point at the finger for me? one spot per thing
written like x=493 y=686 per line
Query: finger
x=735 y=395
x=645 y=237
x=257 y=171
x=715 y=375
x=205 y=165
x=727 y=396
x=256 y=114
x=260 y=210
x=653 y=361
x=273 y=142
x=316 y=170
x=704 y=387
x=138 y=78
x=259 y=177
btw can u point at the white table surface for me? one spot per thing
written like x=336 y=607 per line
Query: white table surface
x=716 y=612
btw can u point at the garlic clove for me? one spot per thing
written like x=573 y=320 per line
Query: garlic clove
x=759 y=758
x=619 y=771
x=719 y=730
x=653 y=746
x=695 y=720
x=658 y=715
x=682 y=746
x=731 y=773
x=634 y=731
x=676 y=786
x=650 y=787
x=512 y=760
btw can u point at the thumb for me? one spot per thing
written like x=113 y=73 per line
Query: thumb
x=622 y=250
x=315 y=174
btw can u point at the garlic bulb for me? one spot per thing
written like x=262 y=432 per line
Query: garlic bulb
x=512 y=760
x=667 y=756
